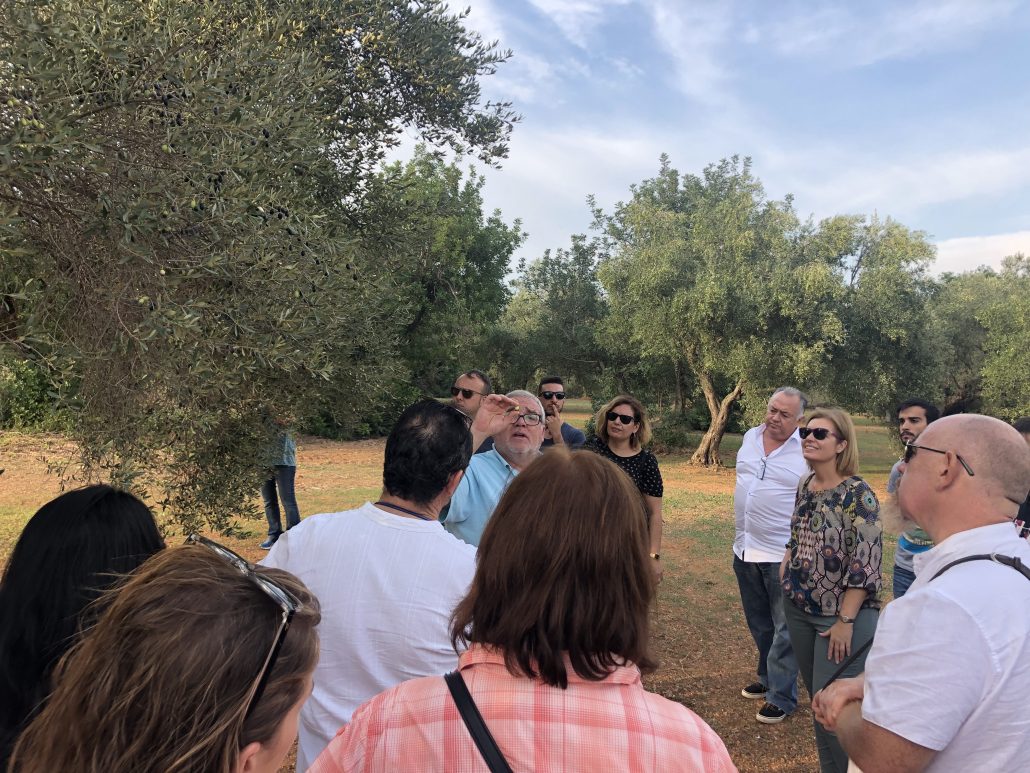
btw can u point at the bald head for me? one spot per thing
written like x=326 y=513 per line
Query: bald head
x=995 y=451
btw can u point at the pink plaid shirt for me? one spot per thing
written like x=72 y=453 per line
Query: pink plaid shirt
x=613 y=724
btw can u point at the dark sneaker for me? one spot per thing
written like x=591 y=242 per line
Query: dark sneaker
x=770 y=715
x=267 y=544
x=754 y=691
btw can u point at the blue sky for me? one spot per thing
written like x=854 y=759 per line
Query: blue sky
x=917 y=110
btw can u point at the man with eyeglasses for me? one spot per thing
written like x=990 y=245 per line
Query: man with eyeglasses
x=516 y=422
x=769 y=466
x=946 y=680
x=556 y=431
x=914 y=416
x=387 y=574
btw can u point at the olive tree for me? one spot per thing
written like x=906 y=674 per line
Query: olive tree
x=184 y=214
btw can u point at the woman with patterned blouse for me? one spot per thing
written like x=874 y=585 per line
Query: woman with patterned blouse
x=622 y=430
x=831 y=570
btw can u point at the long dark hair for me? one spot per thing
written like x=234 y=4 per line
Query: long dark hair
x=162 y=681
x=69 y=553
x=563 y=570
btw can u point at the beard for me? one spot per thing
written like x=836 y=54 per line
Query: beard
x=891 y=517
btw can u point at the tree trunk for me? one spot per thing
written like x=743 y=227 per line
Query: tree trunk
x=707 y=452
x=681 y=402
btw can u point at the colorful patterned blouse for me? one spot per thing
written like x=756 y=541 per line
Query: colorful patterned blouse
x=836 y=543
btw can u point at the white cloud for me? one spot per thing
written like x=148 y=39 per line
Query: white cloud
x=691 y=35
x=970 y=252
x=486 y=18
x=524 y=79
x=898 y=188
x=861 y=34
x=577 y=19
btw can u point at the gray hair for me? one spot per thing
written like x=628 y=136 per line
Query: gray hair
x=792 y=392
x=527 y=396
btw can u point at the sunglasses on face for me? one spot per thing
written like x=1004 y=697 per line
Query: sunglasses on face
x=911 y=448
x=466 y=393
x=283 y=599
x=555 y=395
x=613 y=416
x=819 y=433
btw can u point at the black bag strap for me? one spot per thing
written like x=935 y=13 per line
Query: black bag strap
x=1012 y=561
x=855 y=655
x=476 y=726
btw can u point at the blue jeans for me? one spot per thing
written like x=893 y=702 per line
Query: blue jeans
x=903 y=579
x=762 y=599
x=283 y=478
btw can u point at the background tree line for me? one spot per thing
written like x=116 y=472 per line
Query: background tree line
x=199 y=239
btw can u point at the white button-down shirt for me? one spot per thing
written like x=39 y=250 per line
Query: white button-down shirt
x=763 y=500
x=950 y=667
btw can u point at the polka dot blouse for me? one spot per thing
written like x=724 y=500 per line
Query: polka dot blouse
x=642 y=467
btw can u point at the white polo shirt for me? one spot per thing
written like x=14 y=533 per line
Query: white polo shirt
x=950 y=666
x=763 y=500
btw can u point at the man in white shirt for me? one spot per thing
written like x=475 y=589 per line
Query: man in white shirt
x=769 y=466
x=946 y=680
x=387 y=574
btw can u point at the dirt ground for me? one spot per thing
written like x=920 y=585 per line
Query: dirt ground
x=705 y=651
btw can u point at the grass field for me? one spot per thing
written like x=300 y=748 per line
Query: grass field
x=699 y=634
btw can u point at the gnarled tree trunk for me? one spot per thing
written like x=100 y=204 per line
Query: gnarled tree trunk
x=707 y=452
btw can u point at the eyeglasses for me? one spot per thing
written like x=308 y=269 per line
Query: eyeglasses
x=286 y=601
x=529 y=419
x=819 y=433
x=466 y=393
x=613 y=416
x=555 y=395
x=910 y=451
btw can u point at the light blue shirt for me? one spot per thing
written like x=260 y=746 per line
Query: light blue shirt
x=485 y=479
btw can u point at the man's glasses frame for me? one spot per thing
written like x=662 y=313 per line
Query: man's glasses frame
x=466 y=393
x=286 y=601
x=555 y=395
x=911 y=448
x=529 y=419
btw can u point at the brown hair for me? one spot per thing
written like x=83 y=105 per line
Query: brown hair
x=162 y=682
x=563 y=569
x=847 y=460
x=641 y=437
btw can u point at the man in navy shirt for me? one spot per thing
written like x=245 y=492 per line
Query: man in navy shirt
x=558 y=432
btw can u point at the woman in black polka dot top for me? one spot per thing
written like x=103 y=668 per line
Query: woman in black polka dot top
x=622 y=432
